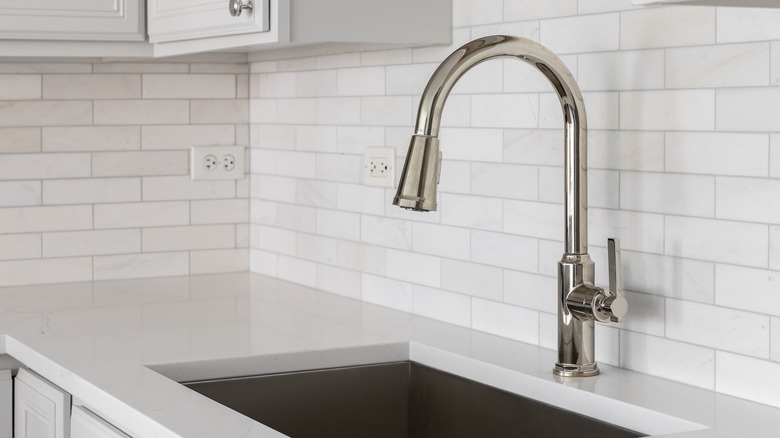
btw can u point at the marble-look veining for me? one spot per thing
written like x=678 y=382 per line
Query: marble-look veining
x=117 y=346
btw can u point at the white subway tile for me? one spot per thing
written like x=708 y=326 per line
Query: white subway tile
x=91 y=138
x=285 y=163
x=219 y=261
x=365 y=81
x=189 y=86
x=536 y=146
x=45 y=113
x=262 y=212
x=717 y=327
x=775 y=337
x=296 y=64
x=189 y=238
x=386 y=57
x=339 y=281
x=511 y=181
x=717 y=153
x=273 y=239
x=548 y=331
x=387 y=232
x=42 y=166
x=273 y=85
x=668 y=359
x=317 y=248
x=668 y=276
x=532 y=291
x=116 y=267
x=170 y=188
x=534 y=219
x=91 y=86
x=147 y=163
x=748 y=109
x=338 y=224
x=386 y=292
x=458 y=112
x=262 y=262
x=667 y=27
x=20 y=87
x=549 y=255
x=296 y=111
x=441 y=240
x=20 y=193
x=83 y=243
x=139 y=67
x=748 y=199
x=316 y=83
x=774 y=155
x=316 y=138
x=521 y=10
x=441 y=305
x=624 y=70
x=469 y=13
x=487 y=77
x=455 y=177
x=774 y=248
x=625 y=150
x=588 y=33
x=522 y=77
x=473 y=279
x=386 y=110
x=732 y=282
x=44 y=271
x=415 y=268
x=746 y=377
x=339 y=167
x=363 y=258
x=273 y=188
x=636 y=231
x=471 y=144
x=186 y=136
x=747 y=24
x=45 y=67
x=354 y=139
x=142 y=214
x=361 y=199
x=340 y=110
x=507 y=251
x=738 y=243
x=20 y=140
x=646 y=313
x=339 y=60
x=505 y=320
x=218 y=111
x=264 y=111
x=296 y=217
x=471 y=211
x=505 y=110
x=736 y=65
x=91 y=191
x=141 y=112
x=273 y=137
x=221 y=211
x=668 y=193
x=33 y=219
x=667 y=110
x=20 y=246
x=317 y=193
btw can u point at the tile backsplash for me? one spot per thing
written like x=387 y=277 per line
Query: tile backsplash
x=683 y=154
x=94 y=169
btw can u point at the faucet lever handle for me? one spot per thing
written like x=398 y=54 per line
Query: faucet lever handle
x=614 y=303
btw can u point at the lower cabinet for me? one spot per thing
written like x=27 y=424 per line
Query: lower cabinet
x=85 y=424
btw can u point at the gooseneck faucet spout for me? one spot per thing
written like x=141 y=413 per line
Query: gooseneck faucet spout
x=579 y=301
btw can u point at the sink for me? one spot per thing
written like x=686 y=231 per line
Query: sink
x=395 y=400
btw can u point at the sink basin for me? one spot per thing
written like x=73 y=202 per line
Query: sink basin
x=395 y=400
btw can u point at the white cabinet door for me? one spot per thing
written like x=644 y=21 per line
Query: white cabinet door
x=41 y=410
x=177 y=20
x=92 y=20
x=85 y=424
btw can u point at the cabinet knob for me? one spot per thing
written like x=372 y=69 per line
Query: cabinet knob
x=238 y=6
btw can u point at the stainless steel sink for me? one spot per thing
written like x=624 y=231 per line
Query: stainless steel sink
x=395 y=400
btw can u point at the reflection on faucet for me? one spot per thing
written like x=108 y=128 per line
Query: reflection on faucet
x=580 y=303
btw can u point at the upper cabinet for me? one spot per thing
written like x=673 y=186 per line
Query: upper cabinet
x=90 y=20
x=176 y=20
x=740 y=3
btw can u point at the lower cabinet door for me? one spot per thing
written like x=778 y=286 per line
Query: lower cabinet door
x=41 y=409
x=85 y=424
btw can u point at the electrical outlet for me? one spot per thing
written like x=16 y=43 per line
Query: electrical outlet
x=217 y=162
x=379 y=167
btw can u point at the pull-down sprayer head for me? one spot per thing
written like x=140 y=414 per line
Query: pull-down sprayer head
x=417 y=188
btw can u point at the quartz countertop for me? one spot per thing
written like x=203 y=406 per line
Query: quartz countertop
x=120 y=346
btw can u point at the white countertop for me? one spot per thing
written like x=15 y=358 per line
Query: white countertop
x=98 y=341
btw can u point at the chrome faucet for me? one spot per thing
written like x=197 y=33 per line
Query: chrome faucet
x=580 y=302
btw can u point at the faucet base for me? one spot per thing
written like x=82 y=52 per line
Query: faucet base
x=571 y=370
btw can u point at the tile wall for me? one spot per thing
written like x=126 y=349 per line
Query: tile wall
x=94 y=169
x=684 y=112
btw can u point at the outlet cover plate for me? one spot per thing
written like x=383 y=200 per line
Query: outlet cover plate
x=379 y=167
x=211 y=163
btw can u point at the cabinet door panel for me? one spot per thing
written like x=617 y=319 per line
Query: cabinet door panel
x=92 y=20
x=85 y=424
x=177 y=20
x=41 y=410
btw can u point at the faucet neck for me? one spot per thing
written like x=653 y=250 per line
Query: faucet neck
x=575 y=124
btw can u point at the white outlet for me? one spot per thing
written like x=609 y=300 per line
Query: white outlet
x=379 y=167
x=217 y=162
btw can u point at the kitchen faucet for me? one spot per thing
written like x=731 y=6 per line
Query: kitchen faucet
x=580 y=302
